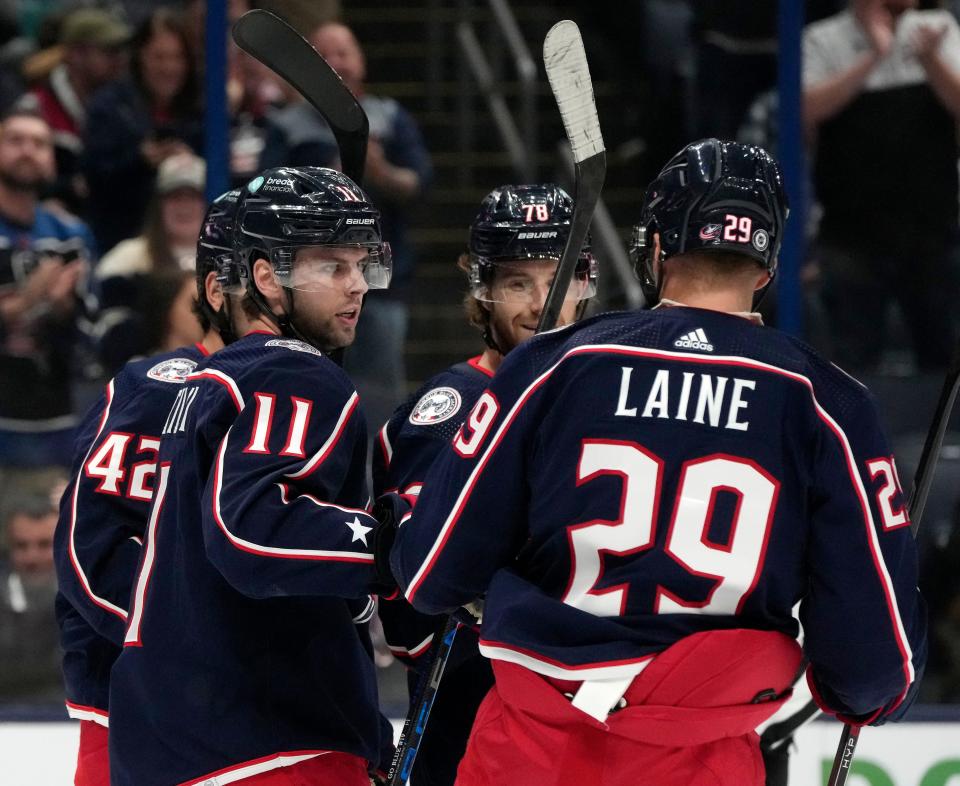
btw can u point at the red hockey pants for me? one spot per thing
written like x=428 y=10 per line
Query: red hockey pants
x=330 y=769
x=93 y=760
x=689 y=720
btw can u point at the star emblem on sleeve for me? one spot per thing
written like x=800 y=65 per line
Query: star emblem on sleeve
x=359 y=531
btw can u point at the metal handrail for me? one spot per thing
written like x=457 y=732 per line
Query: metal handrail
x=520 y=140
x=520 y=156
x=526 y=71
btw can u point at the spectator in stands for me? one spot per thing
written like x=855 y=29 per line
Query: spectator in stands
x=29 y=648
x=252 y=89
x=736 y=46
x=398 y=171
x=42 y=259
x=94 y=50
x=133 y=125
x=174 y=302
x=881 y=99
x=128 y=277
x=15 y=48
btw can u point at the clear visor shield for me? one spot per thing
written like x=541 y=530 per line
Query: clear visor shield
x=316 y=268
x=529 y=280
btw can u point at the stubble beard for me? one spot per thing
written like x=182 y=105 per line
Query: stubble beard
x=325 y=334
x=16 y=182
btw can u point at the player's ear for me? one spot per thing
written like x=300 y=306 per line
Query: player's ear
x=762 y=280
x=656 y=260
x=266 y=280
x=213 y=291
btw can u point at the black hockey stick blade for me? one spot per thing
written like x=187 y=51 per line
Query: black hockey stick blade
x=923 y=477
x=415 y=724
x=566 y=64
x=283 y=50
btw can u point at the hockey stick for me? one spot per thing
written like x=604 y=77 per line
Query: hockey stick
x=283 y=50
x=779 y=733
x=566 y=64
x=415 y=724
x=922 y=481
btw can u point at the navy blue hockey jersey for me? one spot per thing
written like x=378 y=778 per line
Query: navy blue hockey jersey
x=245 y=648
x=639 y=477
x=103 y=516
x=405 y=448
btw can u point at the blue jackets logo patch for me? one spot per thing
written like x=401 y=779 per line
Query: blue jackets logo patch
x=292 y=343
x=436 y=406
x=174 y=370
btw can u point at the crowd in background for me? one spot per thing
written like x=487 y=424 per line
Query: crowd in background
x=102 y=193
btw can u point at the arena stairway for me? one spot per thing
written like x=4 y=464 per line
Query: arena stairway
x=394 y=38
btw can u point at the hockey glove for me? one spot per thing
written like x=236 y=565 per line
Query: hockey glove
x=388 y=510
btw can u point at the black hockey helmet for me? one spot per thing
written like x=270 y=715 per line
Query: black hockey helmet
x=524 y=222
x=711 y=196
x=215 y=254
x=289 y=208
x=215 y=243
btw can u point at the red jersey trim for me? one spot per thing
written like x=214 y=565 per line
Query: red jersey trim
x=827 y=710
x=321 y=455
x=276 y=551
x=222 y=379
x=102 y=603
x=475 y=363
x=613 y=669
x=83 y=713
x=385 y=447
x=246 y=769
x=413 y=652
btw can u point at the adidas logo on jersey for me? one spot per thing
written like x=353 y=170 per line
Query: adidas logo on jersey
x=696 y=339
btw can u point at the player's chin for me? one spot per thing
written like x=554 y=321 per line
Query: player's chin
x=342 y=336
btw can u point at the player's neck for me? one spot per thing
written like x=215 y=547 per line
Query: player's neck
x=490 y=360
x=731 y=301
x=245 y=325
x=211 y=342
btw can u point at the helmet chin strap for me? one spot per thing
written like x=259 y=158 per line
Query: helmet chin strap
x=761 y=293
x=487 y=333
x=223 y=322
x=283 y=322
x=487 y=336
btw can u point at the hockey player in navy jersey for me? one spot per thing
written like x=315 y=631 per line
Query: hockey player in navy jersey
x=514 y=245
x=644 y=496
x=246 y=658
x=103 y=513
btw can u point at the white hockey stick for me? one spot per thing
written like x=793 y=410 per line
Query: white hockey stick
x=569 y=75
x=566 y=63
